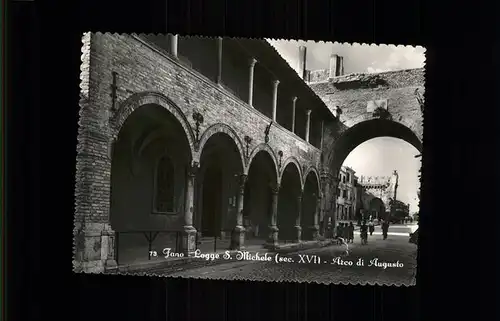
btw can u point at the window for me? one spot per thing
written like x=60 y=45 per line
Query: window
x=348 y=177
x=164 y=186
x=344 y=193
x=343 y=179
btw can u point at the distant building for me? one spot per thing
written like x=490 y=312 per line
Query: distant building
x=368 y=196
x=346 y=194
x=399 y=210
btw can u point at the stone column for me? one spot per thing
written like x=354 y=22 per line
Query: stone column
x=294 y=105
x=308 y=124
x=238 y=237
x=189 y=232
x=315 y=226
x=275 y=98
x=298 y=227
x=173 y=45
x=253 y=61
x=272 y=242
x=94 y=247
x=218 y=78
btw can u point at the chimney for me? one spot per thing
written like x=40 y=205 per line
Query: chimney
x=302 y=62
x=333 y=65
x=336 y=66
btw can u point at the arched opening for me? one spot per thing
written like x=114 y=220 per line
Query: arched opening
x=288 y=209
x=376 y=210
x=262 y=178
x=364 y=131
x=309 y=206
x=217 y=186
x=149 y=160
x=353 y=195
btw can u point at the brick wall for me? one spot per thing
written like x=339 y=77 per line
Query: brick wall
x=142 y=69
x=352 y=93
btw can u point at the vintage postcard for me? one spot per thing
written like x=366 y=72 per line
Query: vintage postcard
x=248 y=159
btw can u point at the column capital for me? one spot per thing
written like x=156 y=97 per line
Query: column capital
x=276 y=82
x=308 y=112
x=242 y=180
x=275 y=188
x=294 y=99
x=252 y=62
x=193 y=168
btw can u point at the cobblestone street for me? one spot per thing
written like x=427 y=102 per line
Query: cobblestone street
x=322 y=266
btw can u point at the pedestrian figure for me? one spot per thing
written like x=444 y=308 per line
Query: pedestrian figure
x=351 y=232
x=385 y=229
x=339 y=232
x=364 y=233
x=345 y=231
x=371 y=227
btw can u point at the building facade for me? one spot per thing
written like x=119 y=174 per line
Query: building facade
x=346 y=194
x=193 y=137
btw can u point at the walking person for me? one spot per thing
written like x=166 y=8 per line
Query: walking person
x=364 y=233
x=345 y=232
x=385 y=228
x=339 y=232
x=351 y=232
x=371 y=227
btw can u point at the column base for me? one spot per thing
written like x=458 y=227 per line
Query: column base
x=298 y=235
x=238 y=238
x=94 y=247
x=315 y=232
x=272 y=241
x=188 y=244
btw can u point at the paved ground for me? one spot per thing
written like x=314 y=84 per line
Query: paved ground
x=324 y=265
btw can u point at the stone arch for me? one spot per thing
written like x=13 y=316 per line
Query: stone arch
x=266 y=148
x=295 y=161
x=138 y=100
x=376 y=203
x=314 y=170
x=223 y=129
x=363 y=131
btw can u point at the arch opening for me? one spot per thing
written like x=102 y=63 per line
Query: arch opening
x=379 y=177
x=310 y=197
x=364 y=131
x=216 y=190
x=376 y=210
x=288 y=209
x=257 y=210
x=149 y=159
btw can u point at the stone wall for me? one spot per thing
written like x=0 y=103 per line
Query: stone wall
x=358 y=94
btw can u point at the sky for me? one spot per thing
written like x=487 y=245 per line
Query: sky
x=357 y=58
x=378 y=156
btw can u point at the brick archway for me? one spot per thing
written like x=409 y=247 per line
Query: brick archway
x=292 y=160
x=354 y=136
x=151 y=98
x=313 y=170
x=265 y=148
x=220 y=128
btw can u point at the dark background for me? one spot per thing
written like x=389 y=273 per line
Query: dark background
x=458 y=210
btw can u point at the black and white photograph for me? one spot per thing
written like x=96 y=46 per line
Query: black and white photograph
x=249 y=159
